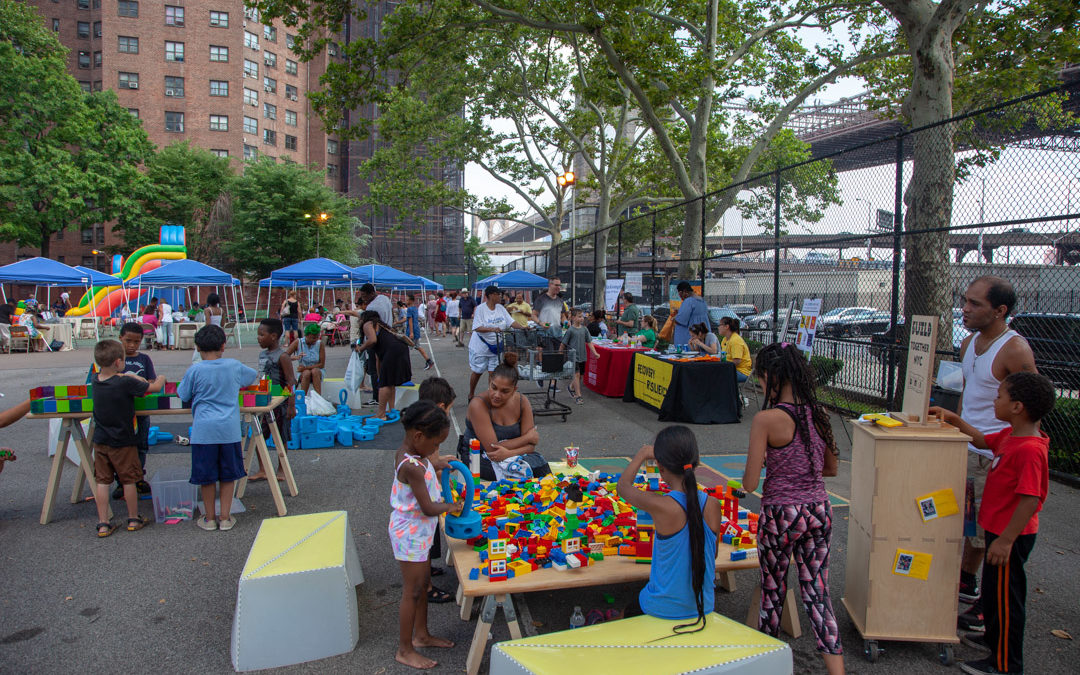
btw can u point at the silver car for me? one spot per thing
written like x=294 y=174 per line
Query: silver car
x=764 y=320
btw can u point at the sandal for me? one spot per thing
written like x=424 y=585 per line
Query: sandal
x=580 y=400
x=137 y=523
x=438 y=571
x=105 y=529
x=438 y=596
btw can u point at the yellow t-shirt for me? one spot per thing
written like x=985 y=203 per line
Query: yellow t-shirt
x=738 y=352
x=520 y=312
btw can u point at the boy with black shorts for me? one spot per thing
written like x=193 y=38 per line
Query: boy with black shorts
x=276 y=366
x=577 y=337
x=138 y=363
x=211 y=388
x=115 y=439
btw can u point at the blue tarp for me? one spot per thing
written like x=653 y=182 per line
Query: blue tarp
x=513 y=279
x=43 y=272
x=314 y=269
x=182 y=273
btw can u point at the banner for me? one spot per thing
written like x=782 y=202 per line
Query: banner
x=633 y=284
x=612 y=289
x=652 y=377
x=804 y=339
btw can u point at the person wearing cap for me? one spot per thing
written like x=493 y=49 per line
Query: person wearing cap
x=466 y=307
x=492 y=319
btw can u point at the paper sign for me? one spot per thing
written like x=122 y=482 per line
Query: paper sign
x=612 y=288
x=937 y=505
x=633 y=283
x=912 y=564
x=804 y=339
x=922 y=344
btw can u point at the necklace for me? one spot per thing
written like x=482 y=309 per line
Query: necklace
x=992 y=342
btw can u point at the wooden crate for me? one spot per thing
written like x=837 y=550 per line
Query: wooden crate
x=890 y=469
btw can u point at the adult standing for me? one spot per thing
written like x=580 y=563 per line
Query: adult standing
x=440 y=313
x=432 y=310
x=467 y=304
x=990 y=354
x=380 y=304
x=692 y=311
x=165 y=324
x=453 y=314
x=520 y=310
x=391 y=357
x=489 y=321
x=213 y=312
x=290 y=317
x=549 y=310
x=630 y=319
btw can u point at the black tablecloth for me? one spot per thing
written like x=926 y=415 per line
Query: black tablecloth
x=698 y=392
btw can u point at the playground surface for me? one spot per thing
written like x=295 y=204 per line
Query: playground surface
x=164 y=597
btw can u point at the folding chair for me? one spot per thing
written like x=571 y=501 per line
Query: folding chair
x=5 y=337
x=230 y=332
x=20 y=338
x=149 y=336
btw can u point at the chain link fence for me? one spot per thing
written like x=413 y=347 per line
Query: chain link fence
x=998 y=193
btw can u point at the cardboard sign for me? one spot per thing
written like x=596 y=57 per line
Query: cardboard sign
x=804 y=339
x=633 y=283
x=922 y=343
x=937 y=505
x=652 y=377
x=612 y=289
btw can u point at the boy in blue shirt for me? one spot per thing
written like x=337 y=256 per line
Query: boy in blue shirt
x=212 y=388
x=131 y=336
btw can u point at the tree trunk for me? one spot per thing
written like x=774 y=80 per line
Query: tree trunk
x=690 y=249
x=46 y=240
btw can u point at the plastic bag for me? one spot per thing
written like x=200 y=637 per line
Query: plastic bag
x=354 y=372
x=317 y=405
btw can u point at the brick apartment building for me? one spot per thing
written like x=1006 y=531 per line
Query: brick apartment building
x=204 y=71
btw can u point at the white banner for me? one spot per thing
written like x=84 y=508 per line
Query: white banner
x=633 y=284
x=611 y=293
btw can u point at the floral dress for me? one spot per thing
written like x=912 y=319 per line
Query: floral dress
x=412 y=532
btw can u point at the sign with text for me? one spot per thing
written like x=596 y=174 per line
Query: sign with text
x=804 y=339
x=922 y=343
x=652 y=377
x=612 y=288
x=633 y=284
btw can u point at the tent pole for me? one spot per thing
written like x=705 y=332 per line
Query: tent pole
x=93 y=313
x=258 y=292
x=239 y=343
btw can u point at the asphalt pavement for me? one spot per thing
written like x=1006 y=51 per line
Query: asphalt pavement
x=162 y=599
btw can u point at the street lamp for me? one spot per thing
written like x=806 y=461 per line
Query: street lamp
x=566 y=180
x=320 y=220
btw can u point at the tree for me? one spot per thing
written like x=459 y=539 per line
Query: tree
x=187 y=186
x=477 y=261
x=67 y=159
x=270 y=201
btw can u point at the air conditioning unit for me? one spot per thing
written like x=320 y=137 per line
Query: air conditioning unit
x=215 y=22
x=178 y=22
x=292 y=97
x=267 y=89
x=133 y=85
x=171 y=92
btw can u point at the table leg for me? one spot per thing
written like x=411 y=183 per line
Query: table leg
x=86 y=457
x=80 y=476
x=507 y=604
x=789 y=618
x=727 y=581
x=241 y=485
x=480 y=636
x=283 y=460
x=264 y=455
x=55 y=472
x=466 y=607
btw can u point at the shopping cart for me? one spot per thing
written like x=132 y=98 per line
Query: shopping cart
x=542 y=360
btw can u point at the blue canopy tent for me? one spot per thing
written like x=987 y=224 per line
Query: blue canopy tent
x=185 y=273
x=49 y=273
x=382 y=275
x=513 y=279
x=313 y=272
x=429 y=285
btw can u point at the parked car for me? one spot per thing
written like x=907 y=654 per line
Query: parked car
x=879 y=341
x=764 y=320
x=842 y=313
x=658 y=312
x=864 y=323
x=742 y=310
x=717 y=313
x=1055 y=341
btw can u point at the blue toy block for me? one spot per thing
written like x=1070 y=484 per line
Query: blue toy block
x=317 y=440
x=726 y=538
x=738 y=555
x=393 y=415
x=474 y=574
x=308 y=424
x=344 y=436
x=156 y=435
x=363 y=436
x=293 y=444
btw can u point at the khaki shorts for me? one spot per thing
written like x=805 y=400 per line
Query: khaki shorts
x=977 y=468
x=466 y=327
x=124 y=462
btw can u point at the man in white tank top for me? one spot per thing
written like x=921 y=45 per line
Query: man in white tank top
x=987 y=356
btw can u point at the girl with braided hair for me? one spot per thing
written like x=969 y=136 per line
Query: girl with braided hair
x=687 y=525
x=392 y=358
x=790 y=438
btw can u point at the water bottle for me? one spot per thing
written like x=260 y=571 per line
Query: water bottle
x=577 y=619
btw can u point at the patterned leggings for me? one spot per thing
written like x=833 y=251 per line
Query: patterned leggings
x=804 y=530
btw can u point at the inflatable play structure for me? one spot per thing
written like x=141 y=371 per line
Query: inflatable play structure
x=107 y=299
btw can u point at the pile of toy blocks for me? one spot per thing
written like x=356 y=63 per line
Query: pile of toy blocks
x=312 y=432
x=80 y=398
x=258 y=394
x=63 y=399
x=739 y=525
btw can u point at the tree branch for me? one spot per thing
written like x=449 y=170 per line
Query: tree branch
x=520 y=19
x=678 y=23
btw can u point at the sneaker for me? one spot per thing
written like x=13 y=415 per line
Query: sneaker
x=975 y=641
x=372 y=402
x=226 y=524
x=142 y=487
x=969 y=589
x=429 y=365
x=980 y=667
x=971 y=621
x=208 y=525
x=118 y=492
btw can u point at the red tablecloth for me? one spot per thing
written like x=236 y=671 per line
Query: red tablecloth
x=607 y=375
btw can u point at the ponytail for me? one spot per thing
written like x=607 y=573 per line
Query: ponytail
x=676 y=450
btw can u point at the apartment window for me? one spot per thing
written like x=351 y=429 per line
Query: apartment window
x=251 y=97
x=97 y=4
x=85 y=86
x=174 y=51
x=269 y=137
x=174 y=121
x=219 y=19
x=97 y=29
x=219 y=53
x=331 y=147
x=219 y=123
x=290 y=118
x=127 y=8
x=290 y=67
x=270 y=59
x=251 y=40
x=99 y=233
x=291 y=92
x=219 y=87
x=252 y=13
x=86 y=236
x=84 y=4
x=56 y=25
x=134 y=112
x=269 y=111
x=127 y=45
x=82 y=28
x=251 y=125
x=332 y=48
x=219 y=152
x=270 y=33
x=174 y=16
x=269 y=85
x=250 y=152
x=174 y=87
x=290 y=142
x=251 y=69
x=331 y=170
x=97 y=85
x=84 y=59
x=290 y=40
x=60 y=237
x=97 y=59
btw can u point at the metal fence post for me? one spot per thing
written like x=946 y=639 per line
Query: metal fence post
x=573 y=272
x=597 y=303
x=702 y=261
x=652 y=284
x=898 y=225
x=776 y=259
x=619 y=254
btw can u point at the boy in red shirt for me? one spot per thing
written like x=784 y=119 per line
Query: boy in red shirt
x=1016 y=488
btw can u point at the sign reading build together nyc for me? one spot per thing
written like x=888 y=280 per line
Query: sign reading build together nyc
x=922 y=344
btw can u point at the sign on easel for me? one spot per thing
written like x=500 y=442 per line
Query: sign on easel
x=922 y=345
x=804 y=339
x=612 y=289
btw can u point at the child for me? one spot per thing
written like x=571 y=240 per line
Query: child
x=310 y=351
x=131 y=336
x=10 y=416
x=413 y=524
x=790 y=437
x=1016 y=488
x=276 y=366
x=438 y=391
x=681 y=581
x=212 y=388
x=577 y=337
x=115 y=439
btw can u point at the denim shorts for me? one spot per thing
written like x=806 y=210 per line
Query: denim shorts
x=214 y=462
x=288 y=324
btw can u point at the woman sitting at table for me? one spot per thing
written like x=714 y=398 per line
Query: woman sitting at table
x=735 y=347
x=311 y=354
x=646 y=337
x=32 y=322
x=149 y=313
x=703 y=340
x=502 y=419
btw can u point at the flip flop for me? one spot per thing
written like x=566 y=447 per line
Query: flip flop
x=137 y=523
x=438 y=596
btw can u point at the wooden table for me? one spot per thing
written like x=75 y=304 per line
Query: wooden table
x=71 y=431
x=611 y=570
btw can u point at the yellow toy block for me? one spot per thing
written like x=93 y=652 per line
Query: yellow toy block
x=520 y=567
x=610 y=550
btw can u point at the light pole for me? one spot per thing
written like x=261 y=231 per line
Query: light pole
x=319 y=222
x=566 y=180
x=982 y=217
x=869 y=226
